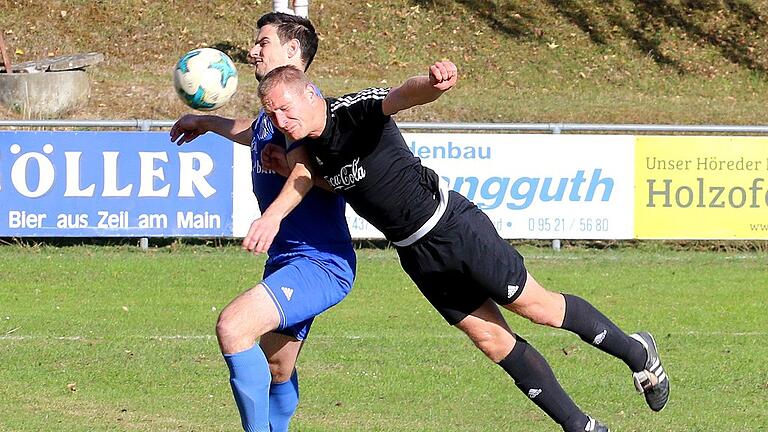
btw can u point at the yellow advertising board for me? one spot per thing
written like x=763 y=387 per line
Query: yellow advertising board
x=701 y=187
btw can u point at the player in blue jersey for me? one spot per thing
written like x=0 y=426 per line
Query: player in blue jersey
x=308 y=270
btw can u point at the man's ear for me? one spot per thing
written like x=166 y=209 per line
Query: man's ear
x=294 y=48
x=309 y=91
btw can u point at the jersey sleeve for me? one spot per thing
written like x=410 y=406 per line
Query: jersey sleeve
x=363 y=107
x=256 y=126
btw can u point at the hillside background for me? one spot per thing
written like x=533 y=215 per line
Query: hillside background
x=646 y=61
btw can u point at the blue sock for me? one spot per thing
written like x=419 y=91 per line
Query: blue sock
x=249 y=377
x=283 y=400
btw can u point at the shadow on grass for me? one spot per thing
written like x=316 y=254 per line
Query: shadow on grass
x=237 y=54
x=507 y=18
x=726 y=26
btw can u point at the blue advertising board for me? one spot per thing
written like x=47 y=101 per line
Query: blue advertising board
x=114 y=184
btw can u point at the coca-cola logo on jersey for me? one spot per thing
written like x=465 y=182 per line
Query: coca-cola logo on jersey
x=348 y=175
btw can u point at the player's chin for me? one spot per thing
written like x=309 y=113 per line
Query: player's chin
x=259 y=70
x=294 y=134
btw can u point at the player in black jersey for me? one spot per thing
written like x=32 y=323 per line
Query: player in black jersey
x=446 y=244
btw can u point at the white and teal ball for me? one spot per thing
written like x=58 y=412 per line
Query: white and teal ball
x=205 y=79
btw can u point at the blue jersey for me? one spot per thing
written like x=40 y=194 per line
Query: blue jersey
x=317 y=223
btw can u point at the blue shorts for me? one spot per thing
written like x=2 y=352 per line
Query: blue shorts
x=304 y=284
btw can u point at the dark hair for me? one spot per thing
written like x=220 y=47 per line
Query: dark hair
x=293 y=27
x=287 y=75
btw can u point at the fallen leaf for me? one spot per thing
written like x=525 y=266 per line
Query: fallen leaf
x=570 y=349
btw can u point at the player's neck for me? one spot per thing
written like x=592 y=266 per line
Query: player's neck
x=320 y=117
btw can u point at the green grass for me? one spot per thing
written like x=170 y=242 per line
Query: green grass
x=133 y=332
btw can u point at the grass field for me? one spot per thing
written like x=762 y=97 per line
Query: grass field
x=96 y=338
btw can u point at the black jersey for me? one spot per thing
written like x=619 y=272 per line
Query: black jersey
x=362 y=154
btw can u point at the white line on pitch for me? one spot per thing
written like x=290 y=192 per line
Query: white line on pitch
x=453 y=335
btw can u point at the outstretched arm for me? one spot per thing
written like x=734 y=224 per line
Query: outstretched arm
x=264 y=229
x=192 y=126
x=420 y=90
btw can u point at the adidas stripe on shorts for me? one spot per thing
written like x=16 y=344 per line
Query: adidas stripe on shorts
x=303 y=285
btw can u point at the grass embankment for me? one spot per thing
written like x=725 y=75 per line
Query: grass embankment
x=536 y=61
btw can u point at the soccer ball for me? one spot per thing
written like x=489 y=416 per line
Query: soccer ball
x=205 y=79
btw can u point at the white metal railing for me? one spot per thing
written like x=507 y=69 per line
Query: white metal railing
x=555 y=128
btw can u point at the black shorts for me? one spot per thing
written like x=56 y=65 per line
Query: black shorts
x=463 y=262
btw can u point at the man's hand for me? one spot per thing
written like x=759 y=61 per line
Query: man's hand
x=187 y=128
x=273 y=159
x=261 y=234
x=420 y=90
x=443 y=75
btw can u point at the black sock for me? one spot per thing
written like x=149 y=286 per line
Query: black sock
x=595 y=328
x=535 y=378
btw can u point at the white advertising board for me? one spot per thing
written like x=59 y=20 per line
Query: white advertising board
x=531 y=186
x=245 y=208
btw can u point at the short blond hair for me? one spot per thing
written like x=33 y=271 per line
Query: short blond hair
x=286 y=75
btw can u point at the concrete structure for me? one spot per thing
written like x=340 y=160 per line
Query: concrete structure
x=49 y=87
x=44 y=94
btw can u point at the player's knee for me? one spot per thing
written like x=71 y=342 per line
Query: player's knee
x=494 y=344
x=225 y=328
x=230 y=330
x=540 y=314
x=280 y=371
x=546 y=309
